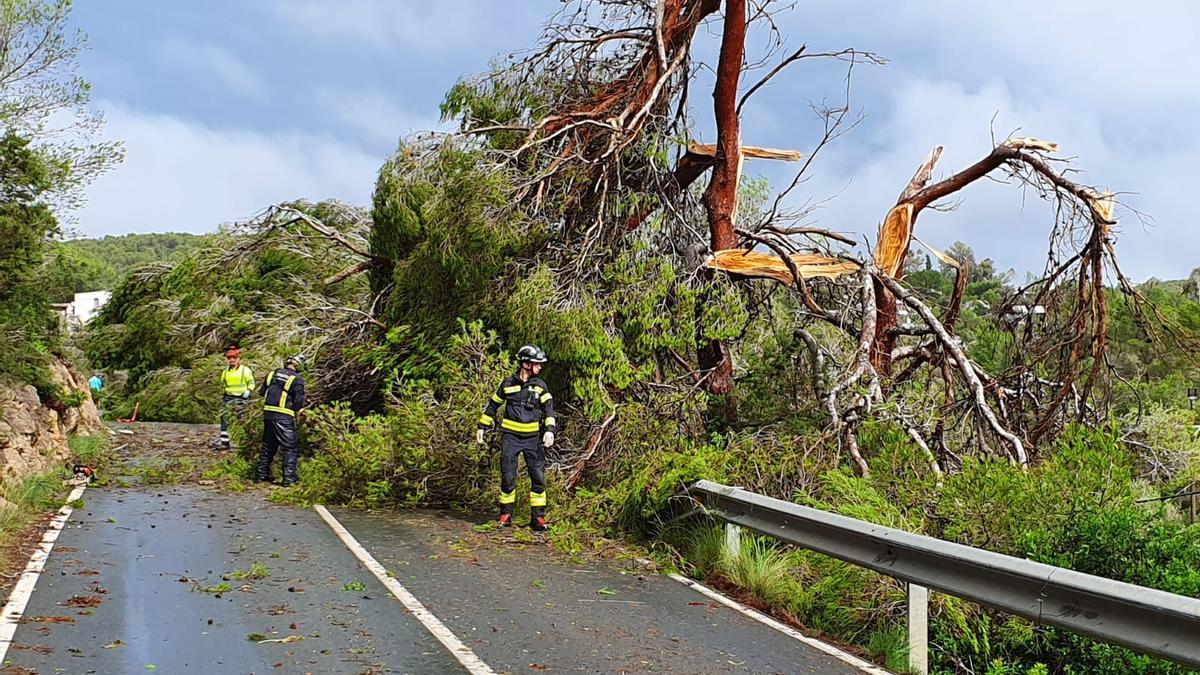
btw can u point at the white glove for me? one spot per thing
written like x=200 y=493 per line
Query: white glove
x=479 y=436
x=245 y=394
x=548 y=439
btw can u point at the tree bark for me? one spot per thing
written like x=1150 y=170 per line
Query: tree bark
x=720 y=199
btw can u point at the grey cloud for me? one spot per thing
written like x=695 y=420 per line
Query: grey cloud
x=180 y=175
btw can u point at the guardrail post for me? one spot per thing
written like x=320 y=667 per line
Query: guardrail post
x=733 y=541
x=918 y=629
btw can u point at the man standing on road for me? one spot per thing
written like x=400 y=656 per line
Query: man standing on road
x=283 y=397
x=528 y=413
x=238 y=382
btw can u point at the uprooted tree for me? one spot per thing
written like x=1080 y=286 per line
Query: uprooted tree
x=586 y=127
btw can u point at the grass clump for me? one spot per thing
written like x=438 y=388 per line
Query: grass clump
x=257 y=571
x=889 y=646
x=93 y=450
x=761 y=568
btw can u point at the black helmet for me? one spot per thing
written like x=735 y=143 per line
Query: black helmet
x=531 y=354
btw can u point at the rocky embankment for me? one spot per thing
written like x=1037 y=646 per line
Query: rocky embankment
x=33 y=437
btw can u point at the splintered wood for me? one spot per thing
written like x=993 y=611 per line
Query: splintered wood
x=747 y=263
x=895 y=234
x=710 y=150
x=1027 y=143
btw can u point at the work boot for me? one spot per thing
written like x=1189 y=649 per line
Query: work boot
x=506 y=515
x=537 y=519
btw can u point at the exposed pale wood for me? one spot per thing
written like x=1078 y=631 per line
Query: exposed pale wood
x=753 y=152
x=747 y=263
x=895 y=233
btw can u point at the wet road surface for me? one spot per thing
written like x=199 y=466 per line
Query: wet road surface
x=136 y=576
x=191 y=579
x=522 y=608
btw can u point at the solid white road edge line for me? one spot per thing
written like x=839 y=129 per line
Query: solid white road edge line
x=10 y=616
x=463 y=653
x=861 y=664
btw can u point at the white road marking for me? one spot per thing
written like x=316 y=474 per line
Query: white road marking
x=10 y=616
x=463 y=653
x=861 y=664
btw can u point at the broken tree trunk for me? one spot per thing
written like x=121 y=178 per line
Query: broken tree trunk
x=720 y=199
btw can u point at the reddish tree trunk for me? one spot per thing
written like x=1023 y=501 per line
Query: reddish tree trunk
x=885 y=340
x=720 y=199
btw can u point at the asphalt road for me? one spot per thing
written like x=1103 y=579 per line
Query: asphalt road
x=135 y=582
x=155 y=579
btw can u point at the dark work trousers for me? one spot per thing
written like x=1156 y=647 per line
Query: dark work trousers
x=511 y=446
x=279 y=433
x=228 y=403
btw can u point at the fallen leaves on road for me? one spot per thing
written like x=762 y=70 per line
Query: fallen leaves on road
x=87 y=572
x=40 y=649
x=47 y=619
x=114 y=644
x=539 y=666
x=83 y=601
x=606 y=591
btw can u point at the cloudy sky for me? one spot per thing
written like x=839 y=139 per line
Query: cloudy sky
x=228 y=106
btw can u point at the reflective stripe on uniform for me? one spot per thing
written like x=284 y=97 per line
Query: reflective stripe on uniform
x=486 y=420
x=537 y=498
x=550 y=421
x=508 y=497
x=282 y=406
x=519 y=427
x=287 y=387
x=513 y=389
x=497 y=399
x=545 y=397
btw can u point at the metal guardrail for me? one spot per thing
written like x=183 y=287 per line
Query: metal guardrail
x=1145 y=620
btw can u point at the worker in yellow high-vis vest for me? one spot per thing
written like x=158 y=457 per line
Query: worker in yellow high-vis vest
x=237 y=382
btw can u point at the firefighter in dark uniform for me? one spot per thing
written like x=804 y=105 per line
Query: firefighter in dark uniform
x=283 y=397
x=527 y=426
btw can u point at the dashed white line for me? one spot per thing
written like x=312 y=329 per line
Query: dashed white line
x=850 y=659
x=463 y=653
x=10 y=616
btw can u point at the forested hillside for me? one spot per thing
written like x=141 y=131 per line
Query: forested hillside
x=77 y=265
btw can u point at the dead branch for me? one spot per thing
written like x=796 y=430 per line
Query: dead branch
x=950 y=345
x=589 y=450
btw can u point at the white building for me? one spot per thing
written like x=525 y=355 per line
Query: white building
x=83 y=308
x=87 y=305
